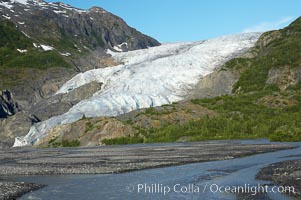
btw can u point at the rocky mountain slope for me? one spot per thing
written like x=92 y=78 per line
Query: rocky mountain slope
x=256 y=95
x=54 y=41
x=42 y=45
x=70 y=30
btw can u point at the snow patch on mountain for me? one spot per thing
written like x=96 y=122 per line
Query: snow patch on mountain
x=147 y=78
x=9 y=4
x=46 y=47
x=61 y=7
x=22 y=50
x=6 y=4
x=6 y=16
x=66 y=54
x=118 y=48
x=21 y=1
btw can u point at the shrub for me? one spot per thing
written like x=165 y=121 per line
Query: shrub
x=73 y=143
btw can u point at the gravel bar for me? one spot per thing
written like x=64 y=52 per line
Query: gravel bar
x=287 y=173
x=114 y=159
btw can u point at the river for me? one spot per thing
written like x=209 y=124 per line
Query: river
x=190 y=181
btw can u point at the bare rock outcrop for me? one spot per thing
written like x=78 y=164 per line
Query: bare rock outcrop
x=61 y=103
x=15 y=126
x=284 y=77
x=87 y=132
x=216 y=84
x=8 y=105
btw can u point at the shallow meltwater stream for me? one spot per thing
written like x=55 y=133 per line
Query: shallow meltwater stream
x=208 y=180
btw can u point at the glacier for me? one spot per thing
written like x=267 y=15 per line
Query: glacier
x=146 y=78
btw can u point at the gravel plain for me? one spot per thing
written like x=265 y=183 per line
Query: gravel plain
x=114 y=159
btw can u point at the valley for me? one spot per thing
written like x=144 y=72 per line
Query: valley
x=83 y=93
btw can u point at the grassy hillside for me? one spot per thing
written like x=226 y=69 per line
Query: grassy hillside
x=259 y=108
x=18 y=70
x=12 y=39
x=276 y=116
x=275 y=49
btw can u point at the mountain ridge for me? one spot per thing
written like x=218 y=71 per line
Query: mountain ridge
x=44 y=21
x=42 y=45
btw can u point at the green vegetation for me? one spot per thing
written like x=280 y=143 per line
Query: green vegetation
x=123 y=140
x=238 y=64
x=89 y=126
x=12 y=39
x=240 y=117
x=64 y=42
x=63 y=143
x=153 y=111
x=284 y=50
x=164 y=110
x=73 y=143
x=52 y=141
x=36 y=59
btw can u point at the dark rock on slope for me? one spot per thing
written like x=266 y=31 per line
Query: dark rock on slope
x=8 y=106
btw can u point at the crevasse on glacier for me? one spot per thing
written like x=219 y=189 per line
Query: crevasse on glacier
x=149 y=77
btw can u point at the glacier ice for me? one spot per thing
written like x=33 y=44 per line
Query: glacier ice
x=149 y=77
